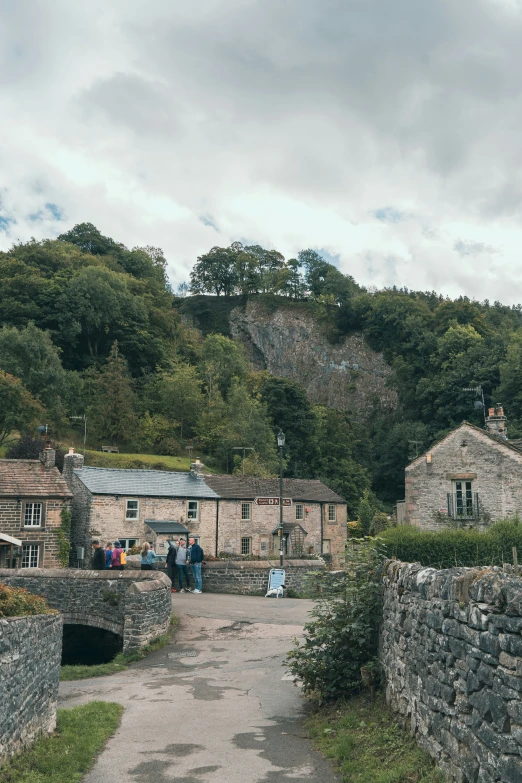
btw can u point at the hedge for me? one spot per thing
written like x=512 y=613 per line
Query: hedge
x=449 y=548
x=17 y=602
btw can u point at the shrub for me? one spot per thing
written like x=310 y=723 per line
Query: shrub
x=17 y=602
x=450 y=547
x=343 y=634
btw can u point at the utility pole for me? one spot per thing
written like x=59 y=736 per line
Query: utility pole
x=280 y=443
x=479 y=391
x=416 y=444
x=84 y=419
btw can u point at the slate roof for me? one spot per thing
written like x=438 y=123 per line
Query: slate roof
x=237 y=487
x=164 y=526
x=143 y=483
x=28 y=478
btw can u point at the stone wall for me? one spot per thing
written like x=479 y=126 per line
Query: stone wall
x=30 y=654
x=467 y=453
x=136 y=605
x=451 y=647
x=251 y=577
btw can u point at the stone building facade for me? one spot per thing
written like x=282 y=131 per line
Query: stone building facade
x=32 y=496
x=472 y=476
x=226 y=513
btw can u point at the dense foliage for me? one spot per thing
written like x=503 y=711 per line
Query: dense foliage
x=17 y=602
x=92 y=327
x=449 y=548
x=343 y=633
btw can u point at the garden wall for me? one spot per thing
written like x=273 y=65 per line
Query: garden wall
x=451 y=647
x=30 y=654
x=251 y=577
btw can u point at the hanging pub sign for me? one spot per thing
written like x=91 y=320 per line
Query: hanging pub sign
x=272 y=501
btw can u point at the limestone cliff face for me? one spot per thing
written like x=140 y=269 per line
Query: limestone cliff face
x=289 y=343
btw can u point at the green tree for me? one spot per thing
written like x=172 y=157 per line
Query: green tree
x=215 y=272
x=222 y=360
x=509 y=390
x=19 y=411
x=113 y=414
x=90 y=240
x=366 y=512
x=177 y=395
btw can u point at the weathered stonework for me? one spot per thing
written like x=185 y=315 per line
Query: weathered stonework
x=493 y=467
x=451 y=648
x=136 y=605
x=251 y=577
x=30 y=655
x=288 y=342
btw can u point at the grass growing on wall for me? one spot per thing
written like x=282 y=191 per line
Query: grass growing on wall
x=119 y=663
x=449 y=548
x=368 y=746
x=64 y=757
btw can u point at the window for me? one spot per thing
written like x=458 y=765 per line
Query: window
x=128 y=543
x=299 y=511
x=33 y=515
x=30 y=554
x=245 y=546
x=332 y=513
x=193 y=510
x=132 y=508
x=245 y=511
x=463 y=502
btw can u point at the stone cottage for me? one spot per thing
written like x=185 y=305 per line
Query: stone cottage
x=32 y=496
x=472 y=477
x=225 y=513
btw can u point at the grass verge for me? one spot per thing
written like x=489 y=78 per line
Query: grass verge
x=120 y=662
x=368 y=746
x=65 y=756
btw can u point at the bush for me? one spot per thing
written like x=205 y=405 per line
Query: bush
x=343 y=634
x=17 y=602
x=449 y=548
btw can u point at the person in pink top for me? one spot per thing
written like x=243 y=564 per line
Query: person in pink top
x=116 y=557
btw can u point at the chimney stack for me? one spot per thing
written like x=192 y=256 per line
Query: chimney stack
x=196 y=469
x=71 y=462
x=48 y=456
x=496 y=421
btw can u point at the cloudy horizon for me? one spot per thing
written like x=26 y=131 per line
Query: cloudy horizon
x=386 y=136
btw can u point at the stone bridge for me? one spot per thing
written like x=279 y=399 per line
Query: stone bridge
x=136 y=605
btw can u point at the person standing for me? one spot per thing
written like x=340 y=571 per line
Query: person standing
x=116 y=562
x=196 y=559
x=98 y=556
x=148 y=557
x=171 y=563
x=181 y=565
x=108 y=555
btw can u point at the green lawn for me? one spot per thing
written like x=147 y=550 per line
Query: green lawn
x=101 y=459
x=65 y=757
x=366 y=743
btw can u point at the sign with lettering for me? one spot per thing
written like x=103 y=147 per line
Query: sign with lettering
x=272 y=501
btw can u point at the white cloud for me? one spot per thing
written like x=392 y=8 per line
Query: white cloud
x=387 y=134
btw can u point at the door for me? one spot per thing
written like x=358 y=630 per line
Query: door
x=326 y=546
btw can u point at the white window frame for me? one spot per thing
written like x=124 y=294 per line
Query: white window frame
x=190 y=511
x=32 y=505
x=332 y=517
x=133 y=510
x=246 y=538
x=28 y=559
x=246 y=508
x=299 y=511
x=125 y=542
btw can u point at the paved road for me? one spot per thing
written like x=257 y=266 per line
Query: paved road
x=228 y=713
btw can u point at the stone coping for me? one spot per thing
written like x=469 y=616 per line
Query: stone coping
x=77 y=573
x=243 y=565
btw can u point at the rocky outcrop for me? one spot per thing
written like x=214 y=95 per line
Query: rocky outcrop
x=288 y=342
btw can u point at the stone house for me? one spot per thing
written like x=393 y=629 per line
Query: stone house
x=471 y=477
x=32 y=496
x=225 y=513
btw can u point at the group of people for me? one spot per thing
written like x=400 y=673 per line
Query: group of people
x=113 y=556
x=179 y=558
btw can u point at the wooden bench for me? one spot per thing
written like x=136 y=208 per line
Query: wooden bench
x=110 y=449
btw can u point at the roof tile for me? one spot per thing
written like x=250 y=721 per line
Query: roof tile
x=29 y=478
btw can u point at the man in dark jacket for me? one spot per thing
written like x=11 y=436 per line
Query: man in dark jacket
x=171 y=563
x=98 y=556
x=197 y=556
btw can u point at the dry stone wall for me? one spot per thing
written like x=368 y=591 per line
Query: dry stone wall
x=451 y=647
x=136 y=605
x=30 y=654
x=251 y=577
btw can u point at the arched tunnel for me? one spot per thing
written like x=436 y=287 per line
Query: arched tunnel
x=88 y=645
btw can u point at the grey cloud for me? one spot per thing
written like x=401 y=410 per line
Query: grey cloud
x=471 y=248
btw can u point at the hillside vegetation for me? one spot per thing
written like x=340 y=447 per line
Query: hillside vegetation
x=91 y=327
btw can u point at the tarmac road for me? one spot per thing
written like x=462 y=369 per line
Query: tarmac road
x=228 y=712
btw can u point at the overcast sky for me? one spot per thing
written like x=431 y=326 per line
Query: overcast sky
x=387 y=135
